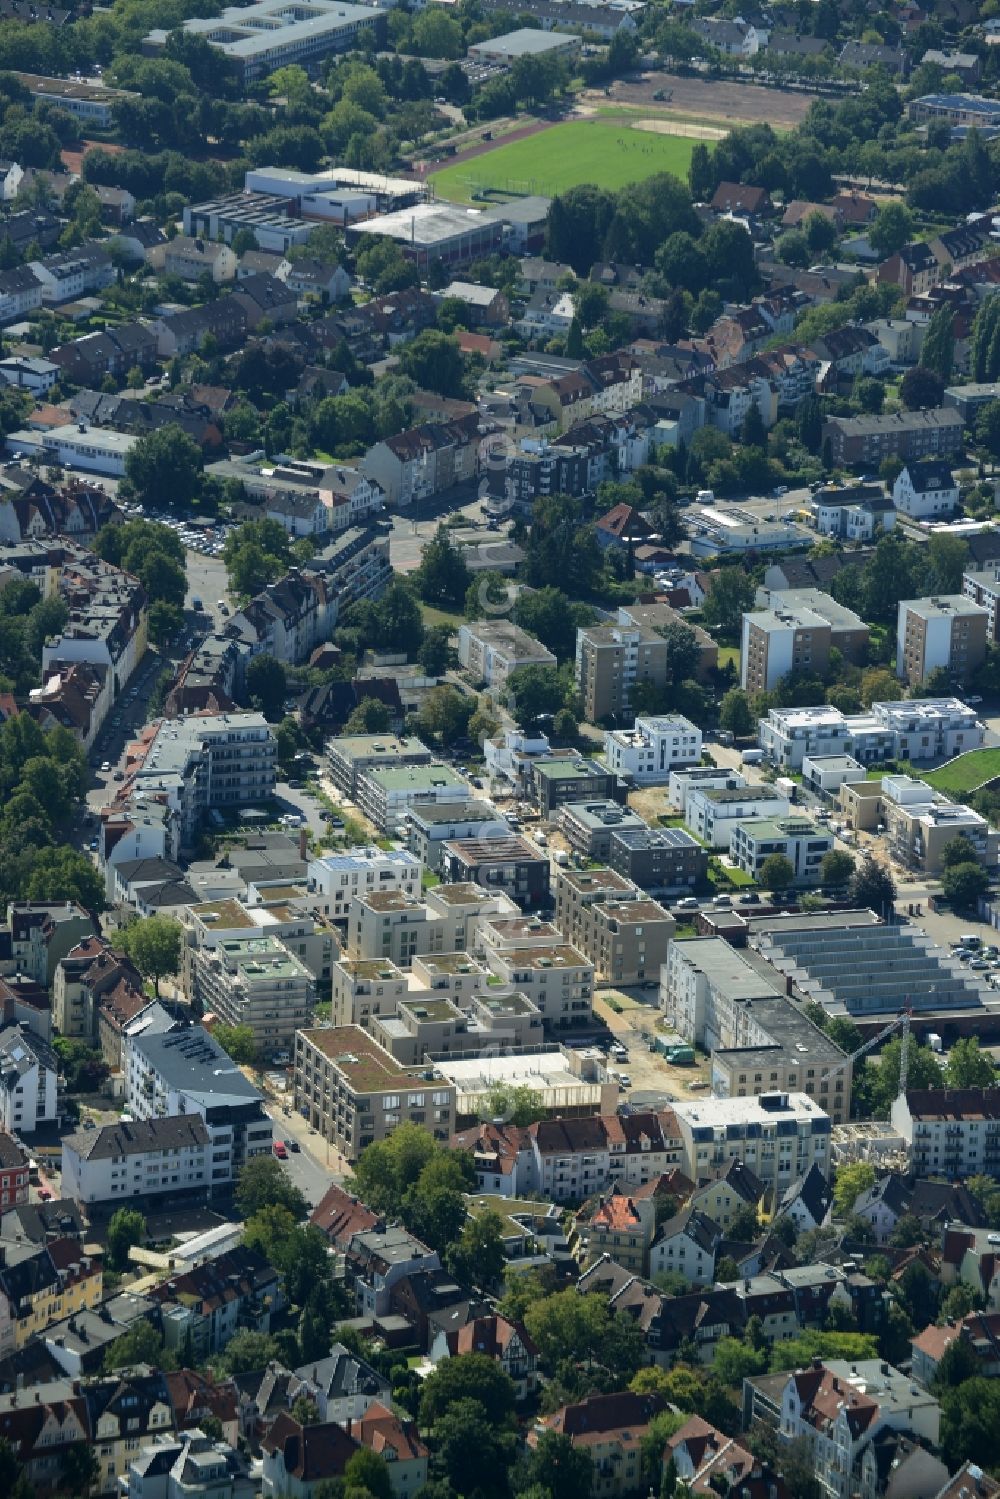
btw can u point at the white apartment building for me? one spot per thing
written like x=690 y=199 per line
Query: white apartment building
x=681 y=782
x=509 y=756
x=338 y=879
x=649 y=752
x=186 y=1071
x=146 y=1159
x=950 y=1132
x=712 y=813
x=802 y=842
x=914 y=729
x=29 y=1071
x=778 y=1135
x=491 y=649
x=252 y=979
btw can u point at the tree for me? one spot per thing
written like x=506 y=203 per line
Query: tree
x=306 y=1412
x=445 y=713
x=435 y=362
x=873 y=886
x=470 y=1376
x=163 y=469
x=560 y=1469
x=970 y=1419
x=735 y=1360
x=937 y=353
x=968 y=1066
x=836 y=868
x=371 y=716
x=878 y=1086
x=730 y=594
x=248 y=1350
x=477 y=1258
x=958 y=850
x=964 y=885
x=921 y=388
x=958 y=1363
x=79 y=1470
x=238 y=1041
x=386 y=1171
x=776 y=873
x=534 y=693
x=367 y=1473
x=63 y=873
x=267 y=686
x=262 y=1183
x=851 y=1180
x=442 y=577
x=141 y=1344
x=471 y=1451
x=435 y=650
x=154 y=945
x=735 y=714
x=891 y=230
x=127 y=1227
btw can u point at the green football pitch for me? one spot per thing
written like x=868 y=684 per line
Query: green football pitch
x=593 y=151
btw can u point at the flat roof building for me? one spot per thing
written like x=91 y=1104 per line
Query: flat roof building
x=257 y=39
x=948 y=631
x=354 y=1092
x=526 y=42
x=780 y=1136
x=436 y=231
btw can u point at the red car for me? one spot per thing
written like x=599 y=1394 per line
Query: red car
x=280 y=1151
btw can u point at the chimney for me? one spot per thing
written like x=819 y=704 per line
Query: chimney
x=303 y=842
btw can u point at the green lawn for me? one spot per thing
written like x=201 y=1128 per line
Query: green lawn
x=729 y=653
x=580 y=151
x=432 y=616
x=965 y=773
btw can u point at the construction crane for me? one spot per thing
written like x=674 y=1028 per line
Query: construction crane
x=902 y=1024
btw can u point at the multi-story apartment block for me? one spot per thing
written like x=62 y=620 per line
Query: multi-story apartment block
x=949 y=631
x=354 y=1092
x=390 y=925
x=778 y=1135
x=866 y=440
x=42 y=934
x=155 y=1160
x=557 y=978
x=916 y=729
x=796 y=632
x=385 y=795
x=430 y=825
x=350 y=756
x=107 y=625
x=185 y=1071
x=507 y=863
x=950 y=1132
x=610 y=661
x=364 y=988
x=491 y=649
x=206 y=761
x=982 y=586
x=648 y=752
x=29 y=1073
x=555 y=781
x=625 y=935
x=338 y=879
x=713 y=812
x=589 y=826
x=798 y=839
x=661 y=859
x=252 y=979
x=920 y=822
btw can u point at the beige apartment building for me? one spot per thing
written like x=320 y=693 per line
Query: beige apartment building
x=388 y=924
x=363 y=988
x=354 y=1092
x=491 y=649
x=610 y=660
x=557 y=978
x=614 y=924
x=796 y=632
x=949 y=631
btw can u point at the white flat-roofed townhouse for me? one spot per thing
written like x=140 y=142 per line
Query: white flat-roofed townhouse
x=712 y=813
x=338 y=879
x=652 y=749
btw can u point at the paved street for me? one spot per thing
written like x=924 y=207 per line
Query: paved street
x=411 y=531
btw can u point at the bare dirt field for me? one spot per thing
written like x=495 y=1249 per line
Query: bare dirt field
x=711 y=99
